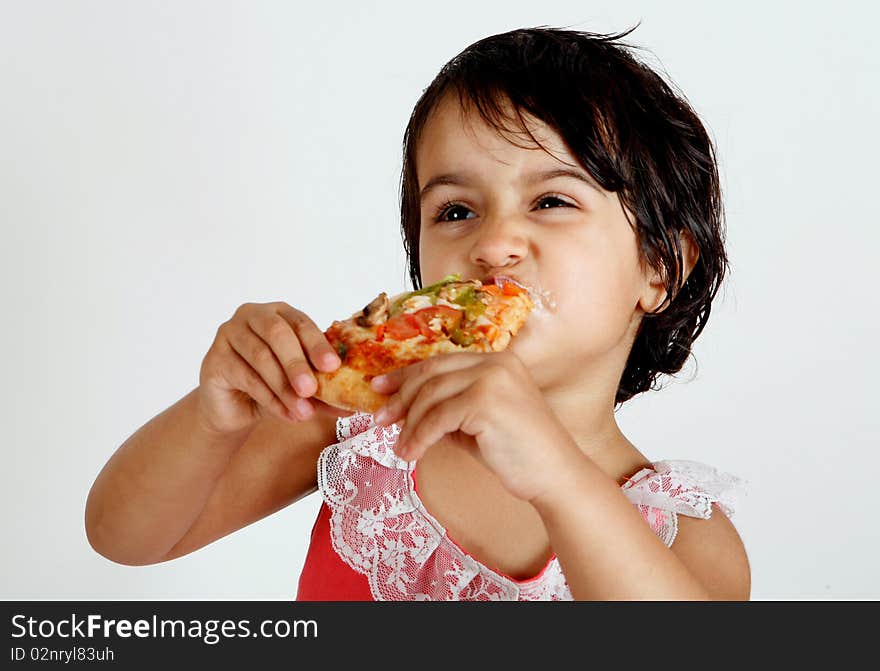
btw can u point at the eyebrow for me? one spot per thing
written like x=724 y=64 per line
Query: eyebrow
x=461 y=179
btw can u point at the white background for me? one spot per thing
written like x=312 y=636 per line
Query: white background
x=162 y=163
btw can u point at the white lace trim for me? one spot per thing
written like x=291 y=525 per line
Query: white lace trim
x=681 y=486
x=379 y=526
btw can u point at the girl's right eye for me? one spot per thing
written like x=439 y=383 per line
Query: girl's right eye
x=447 y=208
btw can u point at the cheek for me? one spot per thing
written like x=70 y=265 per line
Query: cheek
x=438 y=262
x=427 y=261
x=436 y=259
x=596 y=304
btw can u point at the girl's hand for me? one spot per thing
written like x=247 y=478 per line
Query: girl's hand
x=257 y=366
x=487 y=402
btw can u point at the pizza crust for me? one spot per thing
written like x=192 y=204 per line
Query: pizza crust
x=348 y=389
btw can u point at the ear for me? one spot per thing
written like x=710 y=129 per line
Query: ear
x=654 y=292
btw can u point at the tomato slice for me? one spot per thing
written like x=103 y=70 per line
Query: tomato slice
x=402 y=327
x=450 y=317
x=409 y=325
x=510 y=289
x=503 y=289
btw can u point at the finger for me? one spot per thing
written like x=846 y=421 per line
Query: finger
x=438 y=389
x=413 y=379
x=283 y=341
x=317 y=347
x=259 y=356
x=389 y=382
x=412 y=403
x=243 y=377
x=445 y=417
x=393 y=380
x=330 y=410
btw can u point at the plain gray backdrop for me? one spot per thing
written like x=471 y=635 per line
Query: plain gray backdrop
x=162 y=163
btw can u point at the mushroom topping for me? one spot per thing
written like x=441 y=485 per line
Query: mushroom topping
x=374 y=313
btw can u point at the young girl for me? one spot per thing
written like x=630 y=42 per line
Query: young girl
x=546 y=155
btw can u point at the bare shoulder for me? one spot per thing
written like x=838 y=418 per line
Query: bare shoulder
x=714 y=552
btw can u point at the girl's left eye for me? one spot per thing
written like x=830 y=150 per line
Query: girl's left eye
x=546 y=199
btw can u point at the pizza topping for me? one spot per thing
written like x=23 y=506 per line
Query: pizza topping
x=451 y=290
x=402 y=327
x=482 y=320
x=472 y=303
x=501 y=280
x=431 y=291
x=440 y=318
x=462 y=338
x=417 y=303
x=511 y=289
x=433 y=288
x=374 y=313
x=430 y=322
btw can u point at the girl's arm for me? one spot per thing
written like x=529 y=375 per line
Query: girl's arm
x=607 y=552
x=175 y=486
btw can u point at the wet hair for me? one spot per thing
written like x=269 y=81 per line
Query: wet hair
x=632 y=132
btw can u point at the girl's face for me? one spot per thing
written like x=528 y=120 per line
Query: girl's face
x=489 y=206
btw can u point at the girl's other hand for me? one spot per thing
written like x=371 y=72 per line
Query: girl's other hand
x=259 y=365
x=488 y=403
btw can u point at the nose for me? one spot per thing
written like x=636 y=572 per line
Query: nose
x=499 y=243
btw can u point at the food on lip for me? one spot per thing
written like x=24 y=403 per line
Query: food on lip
x=497 y=279
x=542 y=298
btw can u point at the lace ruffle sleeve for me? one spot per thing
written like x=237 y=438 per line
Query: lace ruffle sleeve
x=686 y=487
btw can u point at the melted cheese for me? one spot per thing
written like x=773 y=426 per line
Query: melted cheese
x=416 y=303
x=422 y=301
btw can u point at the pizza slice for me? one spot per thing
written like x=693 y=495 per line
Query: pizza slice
x=449 y=316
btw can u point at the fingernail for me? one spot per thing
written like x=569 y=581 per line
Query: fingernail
x=303 y=407
x=331 y=359
x=378 y=381
x=302 y=383
x=381 y=415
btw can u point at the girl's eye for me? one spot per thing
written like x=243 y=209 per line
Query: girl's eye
x=448 y=207
x=548 y=199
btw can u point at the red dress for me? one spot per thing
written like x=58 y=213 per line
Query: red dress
x=374 y=540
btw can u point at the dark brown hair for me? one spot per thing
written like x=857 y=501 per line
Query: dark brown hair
x=635 y=136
